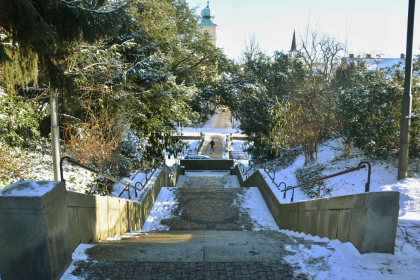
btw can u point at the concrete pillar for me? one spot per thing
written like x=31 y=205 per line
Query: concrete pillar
x=34 y=231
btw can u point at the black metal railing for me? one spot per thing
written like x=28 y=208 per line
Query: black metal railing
x=273 y=179
x=360 y=166
x=247 y=172
x=70 y=160
x=141 y=184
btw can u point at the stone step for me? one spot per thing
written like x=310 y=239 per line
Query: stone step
x=198 y=246
x=200 y=236
x=208 y=181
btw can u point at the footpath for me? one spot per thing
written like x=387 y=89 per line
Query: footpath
x=218 y=147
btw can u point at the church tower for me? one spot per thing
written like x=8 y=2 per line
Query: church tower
x=208 y=25
x=293 y=49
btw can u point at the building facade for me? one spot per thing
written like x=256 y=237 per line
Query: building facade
x=208 y=25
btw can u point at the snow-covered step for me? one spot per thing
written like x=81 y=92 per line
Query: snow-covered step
x=199 y=246
x=208 y=181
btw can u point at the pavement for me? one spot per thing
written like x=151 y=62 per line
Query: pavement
x=207 y=254
x=184 y=270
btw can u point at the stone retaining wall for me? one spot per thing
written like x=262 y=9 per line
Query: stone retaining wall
x=94 y=218
x=367 y=220
x=39 y=233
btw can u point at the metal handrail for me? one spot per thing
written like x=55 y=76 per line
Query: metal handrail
x=274 y=182
x=250 y=167
x=360 y=166
x=135 y=185
x=70 y=160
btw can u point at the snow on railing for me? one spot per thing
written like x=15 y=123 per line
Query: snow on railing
x=360 y=166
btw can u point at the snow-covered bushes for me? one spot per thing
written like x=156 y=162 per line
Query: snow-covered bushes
x=370 y=110
x=309 y=172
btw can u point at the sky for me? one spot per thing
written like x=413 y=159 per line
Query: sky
x=376 y=27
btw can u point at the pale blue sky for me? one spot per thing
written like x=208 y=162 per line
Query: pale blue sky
x=375 y=26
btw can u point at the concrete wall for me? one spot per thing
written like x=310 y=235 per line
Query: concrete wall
x=39 y=233
x=94 y=218
x=188 y=137
x=367 y=220
x=236 y=171
x=207 y=164
x=34 y=234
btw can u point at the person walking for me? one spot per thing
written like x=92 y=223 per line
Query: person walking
x=212 y=146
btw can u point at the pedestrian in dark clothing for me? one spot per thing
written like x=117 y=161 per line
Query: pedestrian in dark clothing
x=212 y=146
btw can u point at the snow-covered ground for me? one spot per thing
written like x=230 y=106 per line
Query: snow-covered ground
x=38 y=167
x=162 y=209
x=238 y=145
x=346 y=262
x=78 y=255
x=383 y=178
x=254 y=203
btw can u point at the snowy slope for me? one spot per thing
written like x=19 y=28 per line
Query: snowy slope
x=346 y=262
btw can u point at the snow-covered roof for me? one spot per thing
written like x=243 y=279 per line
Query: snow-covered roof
x=379 y=63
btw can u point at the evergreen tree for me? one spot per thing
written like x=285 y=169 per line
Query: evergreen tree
x=36 y=36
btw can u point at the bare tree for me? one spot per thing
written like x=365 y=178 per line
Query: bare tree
x=317 y=99
x=251 y=50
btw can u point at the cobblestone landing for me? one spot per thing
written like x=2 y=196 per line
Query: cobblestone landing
x=184 y=270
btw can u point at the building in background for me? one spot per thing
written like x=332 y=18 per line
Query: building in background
x=208 y=25
x=375 y=63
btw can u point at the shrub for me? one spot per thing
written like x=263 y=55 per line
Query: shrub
x=12 y=164
x=18 y=119
x=98 y=145
x=370 y=111
x=309 y=172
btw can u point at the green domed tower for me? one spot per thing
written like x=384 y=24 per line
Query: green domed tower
x=207 y=24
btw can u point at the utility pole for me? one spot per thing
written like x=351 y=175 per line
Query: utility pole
x=55 y=135
x=407 y=99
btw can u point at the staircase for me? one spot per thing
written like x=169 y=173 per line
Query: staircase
x=198 y=246
x=211 y=237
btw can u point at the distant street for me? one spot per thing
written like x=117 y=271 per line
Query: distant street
x=223 y=120
x=220 y=120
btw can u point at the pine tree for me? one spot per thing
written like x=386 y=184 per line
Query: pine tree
x=38 y=33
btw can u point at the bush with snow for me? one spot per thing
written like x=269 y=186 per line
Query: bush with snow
x=309 y=172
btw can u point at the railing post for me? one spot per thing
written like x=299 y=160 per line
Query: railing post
x=279 y=187
x=293 y=195
x=319 y=188
x=61 y=170
x=367 y=185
